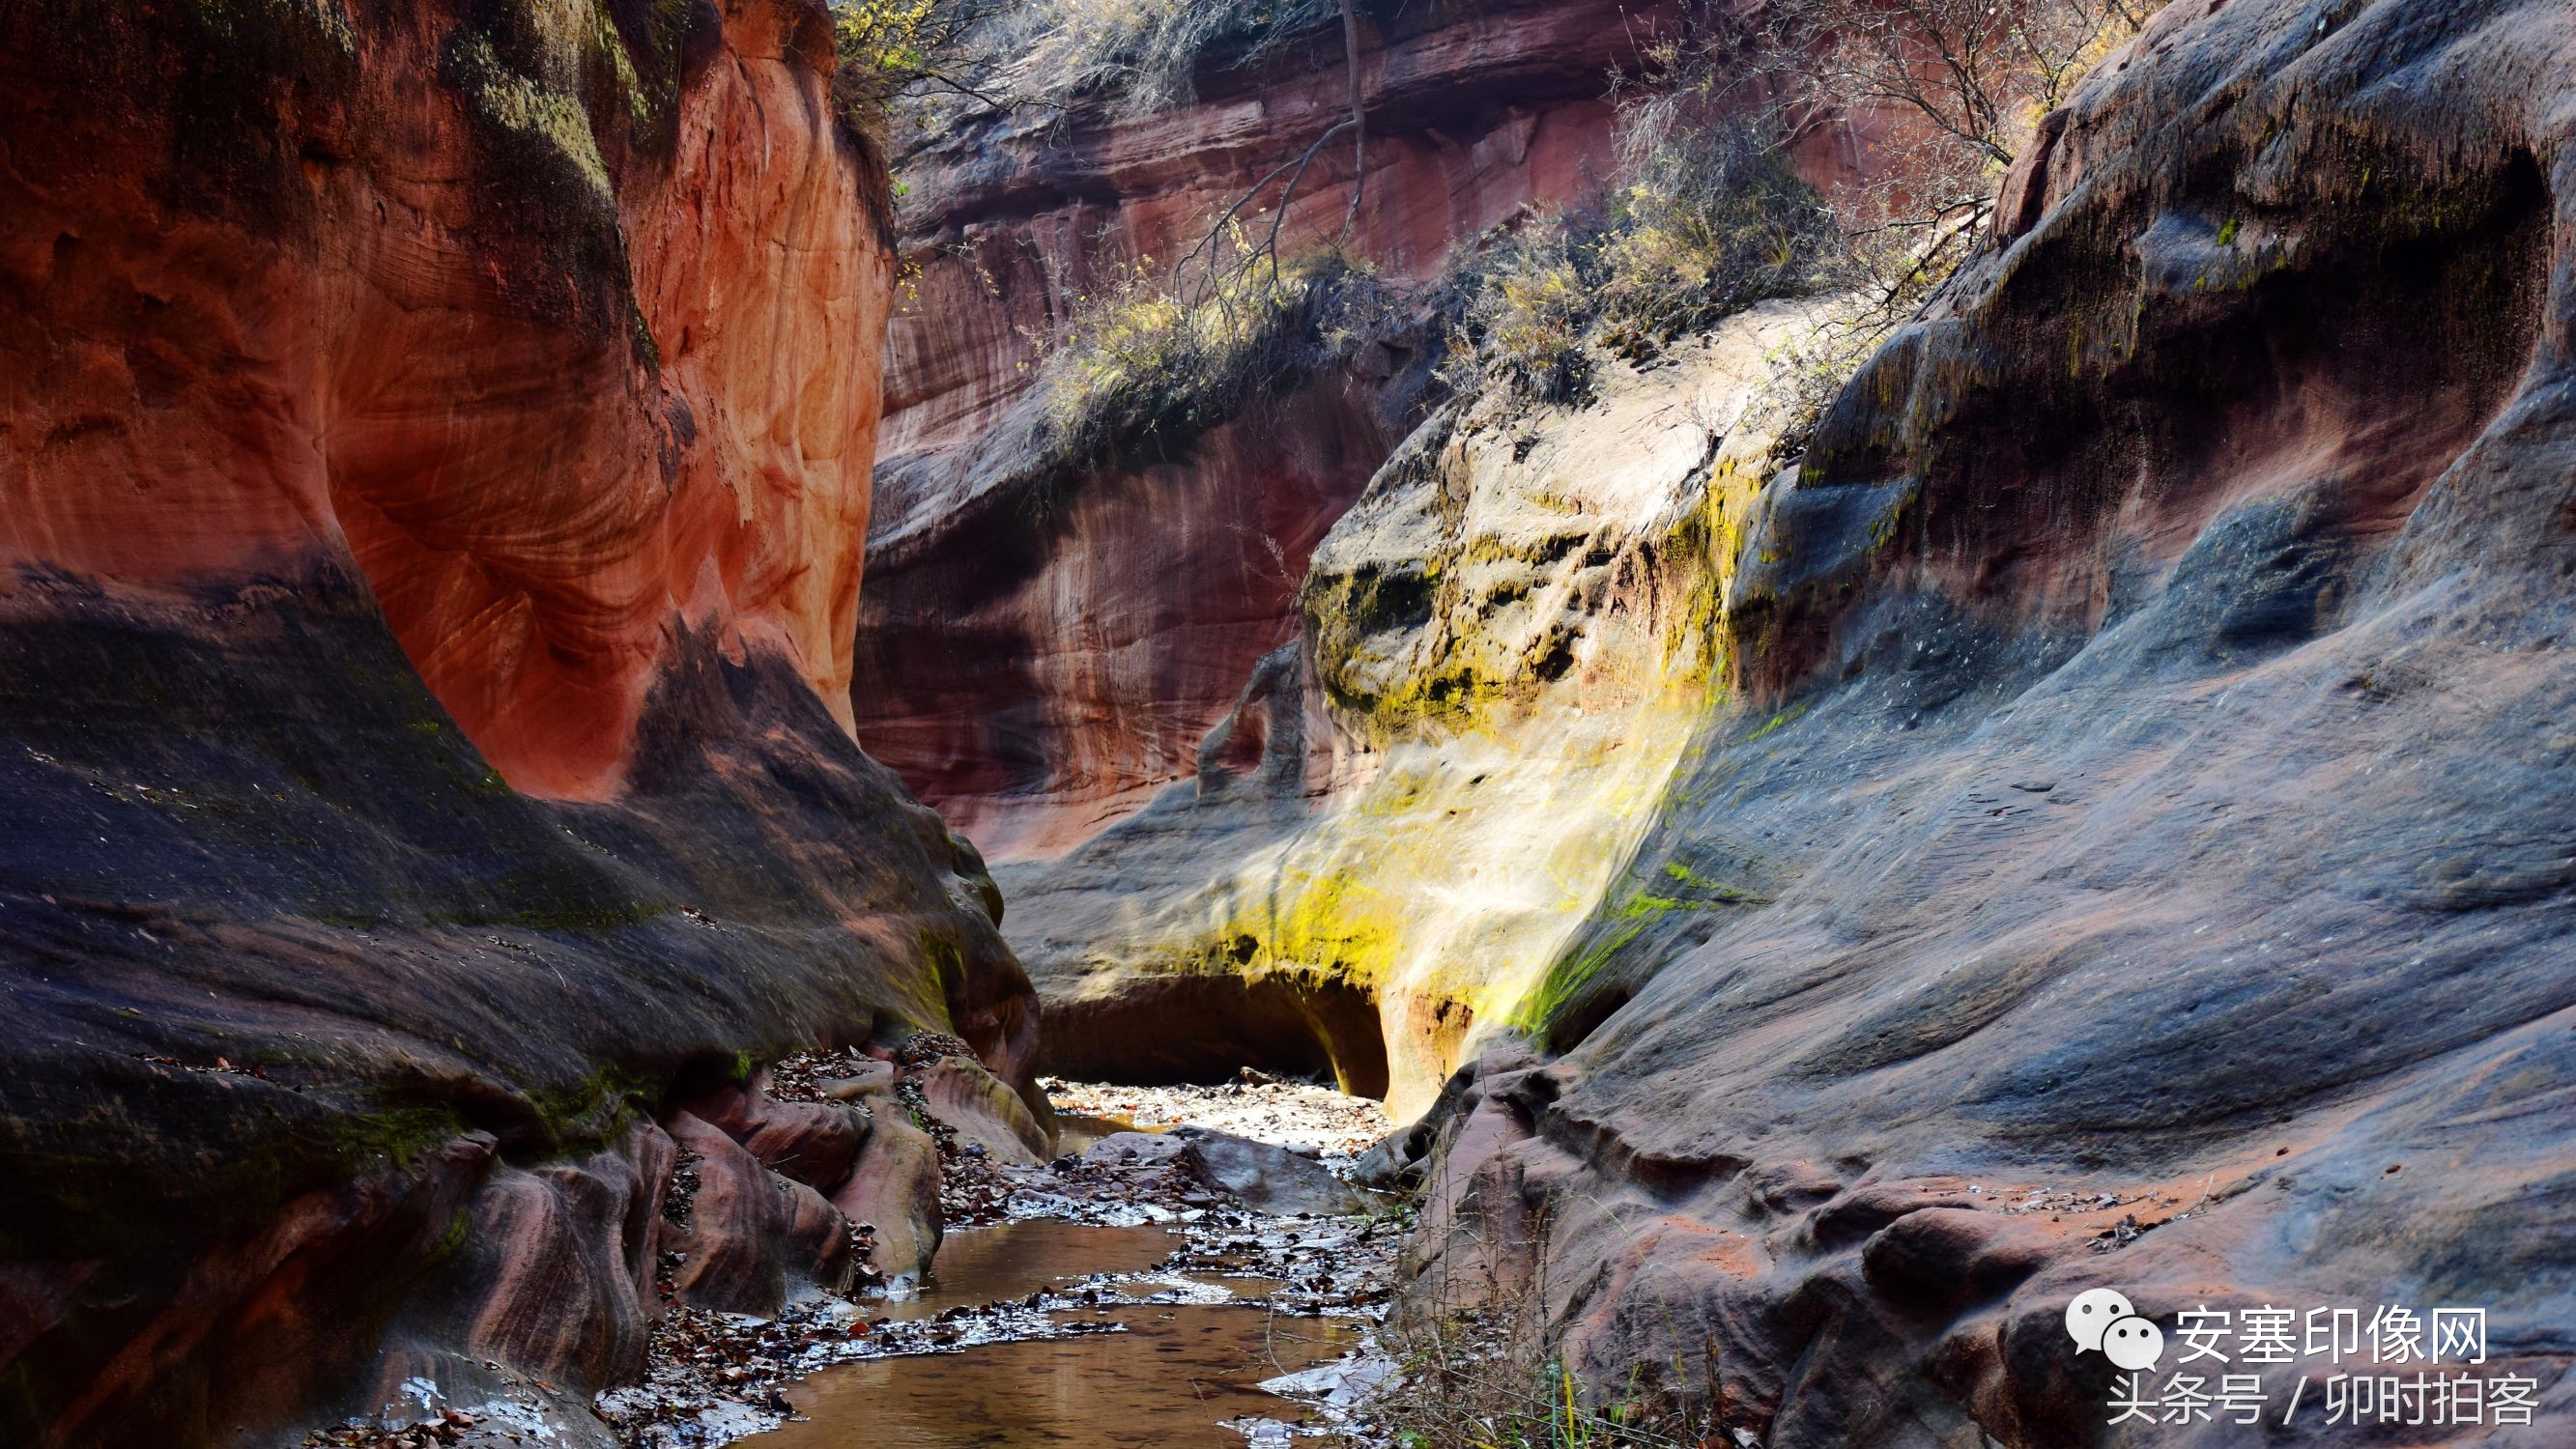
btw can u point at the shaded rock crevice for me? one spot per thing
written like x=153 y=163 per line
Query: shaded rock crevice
x=1205 y=1026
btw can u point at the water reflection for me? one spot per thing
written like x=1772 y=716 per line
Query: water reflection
x=977 y=1266
x=1166 y=1382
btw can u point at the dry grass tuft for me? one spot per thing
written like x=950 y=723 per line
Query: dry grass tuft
x=1141 y=366
x=1474 y=1369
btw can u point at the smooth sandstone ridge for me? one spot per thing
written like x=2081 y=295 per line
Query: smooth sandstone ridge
x=2131 y=851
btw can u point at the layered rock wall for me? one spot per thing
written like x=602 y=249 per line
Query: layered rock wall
x=434 y=448
x=2133 y=850
x=1038 y=672
x=1504 y=649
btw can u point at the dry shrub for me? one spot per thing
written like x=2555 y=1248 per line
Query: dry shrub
x=1521 y=315
x=1143 y=364
x=1949 y=90
x=1704 y=221
x=1699 y=221
x=1947 y=94
x=896 y=51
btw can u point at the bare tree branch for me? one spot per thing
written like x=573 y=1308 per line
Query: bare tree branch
x=1359 y=119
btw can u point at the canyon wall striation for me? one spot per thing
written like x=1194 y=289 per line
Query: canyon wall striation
x=2131 y=849
x=1045 y=644
x=435 y=447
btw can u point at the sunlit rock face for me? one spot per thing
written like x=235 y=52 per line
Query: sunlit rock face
x=2132 y=849
x=1504 y=648
x=553 y=380
x=1038 y=672
x=434 y=449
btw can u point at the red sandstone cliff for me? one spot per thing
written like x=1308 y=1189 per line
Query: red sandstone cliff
x=434 y=452
x=1038 y=674
x=554 y=379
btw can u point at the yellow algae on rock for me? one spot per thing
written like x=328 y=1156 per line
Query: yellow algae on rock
x=1508 y=645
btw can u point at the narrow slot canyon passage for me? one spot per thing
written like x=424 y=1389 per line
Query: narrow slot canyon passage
x=1319 y=724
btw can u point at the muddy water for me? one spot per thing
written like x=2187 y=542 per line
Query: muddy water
x=976 y=1266
x=1166 y=1382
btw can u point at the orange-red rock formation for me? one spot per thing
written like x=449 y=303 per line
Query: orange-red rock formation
x=557 y=381
x=434 y=452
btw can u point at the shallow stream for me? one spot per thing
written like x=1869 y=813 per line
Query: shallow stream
x=1185 y=1375
x=1171 y=1379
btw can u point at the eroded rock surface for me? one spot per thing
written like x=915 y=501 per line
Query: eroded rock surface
x=1044 y=647
x=434 y=445
x=1504 y=655
x=2133 y=850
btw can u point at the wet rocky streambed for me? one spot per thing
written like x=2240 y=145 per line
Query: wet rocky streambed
x=1120 y=1295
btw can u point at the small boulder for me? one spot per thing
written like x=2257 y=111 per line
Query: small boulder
x=869 y=1079
x=814 y=1143
x=754 y=1238
x=979 y=1108
x=1395 y=1164
x=1264 y=1176
x=895 y=1190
